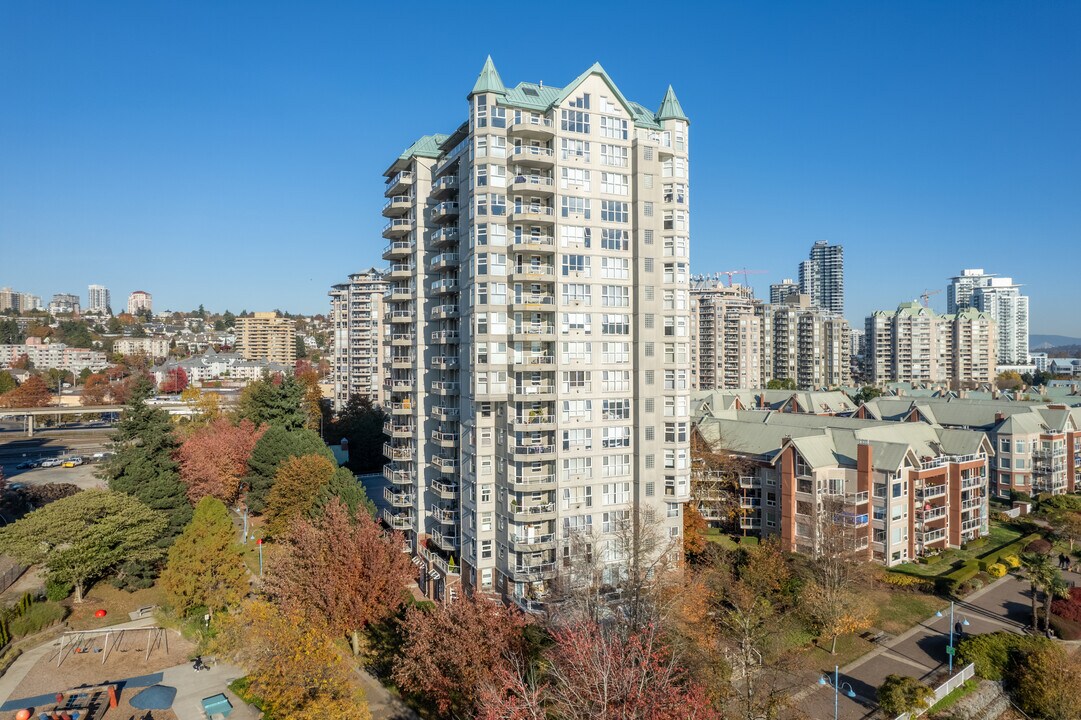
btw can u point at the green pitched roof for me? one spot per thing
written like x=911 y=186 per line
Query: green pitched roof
x=427 y=146
x=489 y=80
x=670 y=107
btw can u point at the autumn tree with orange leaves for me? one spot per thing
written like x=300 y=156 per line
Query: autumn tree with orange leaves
x=297 y=485
x=450 y=653
x=95 y=389
x=32 y=393
x=293 y=664
x=214 y=459
x=341 y=568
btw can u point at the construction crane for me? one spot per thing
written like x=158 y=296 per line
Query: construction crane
x=927 y=294
x=744 y=272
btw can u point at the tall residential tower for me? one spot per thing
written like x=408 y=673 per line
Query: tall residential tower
x=822 y=277
x=356 y=314
x=538 y=275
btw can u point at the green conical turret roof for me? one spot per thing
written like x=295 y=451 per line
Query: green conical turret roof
x=670 y=107
x=489 y=80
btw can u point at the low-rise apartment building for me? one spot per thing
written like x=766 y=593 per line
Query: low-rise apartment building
x=1037 y=445
x=900 y=490
x=45 y=356
x=154 y=347
x=211 y=366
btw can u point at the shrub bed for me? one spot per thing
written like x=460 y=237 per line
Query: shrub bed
x=1069 y=608
x=36 y=618
x=994 y=652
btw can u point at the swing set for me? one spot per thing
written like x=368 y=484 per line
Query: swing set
x=123 y=640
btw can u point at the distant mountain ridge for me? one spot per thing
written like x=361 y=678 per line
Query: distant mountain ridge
x=1044 y=342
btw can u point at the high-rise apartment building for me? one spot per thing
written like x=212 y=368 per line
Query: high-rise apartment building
x=539 y=260
x=822 y=277
x=805 y=344
x=64 y=304
x=726 y=336
x=915 y=344
x=356 y=314
x=139 y=301
x=98 y=299
x=18 y=301
x=779 y=292
x=1000 y=298
x=266 y=336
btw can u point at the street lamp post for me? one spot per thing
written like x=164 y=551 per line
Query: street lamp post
x=837 y=687
x=259 y=542
x=950 y=650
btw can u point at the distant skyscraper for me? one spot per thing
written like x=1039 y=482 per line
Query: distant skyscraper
x=1000 y=298
x=356 y=314
x=18 y=301
x=779 y=292
x=725 y=336
x=140 y=300
x=98 y=299
x=266 y=336
x=822 y=277
x=64 y=304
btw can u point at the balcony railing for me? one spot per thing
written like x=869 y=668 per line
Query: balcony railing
x=933 y=513
x=750 y=482
x=534 y=389
x=447 y=516
x=534 y=299
x=444 y=542
x=398 y=521
x=535 y=240
x=931 y=535
x=526 y=153
x=534 y=329
x=931 y=491
x=534 y=572
x=398 y=499
x=533 y=449
x=527 y=539
x=528 y=510
x=528 y=481
x=542 y=419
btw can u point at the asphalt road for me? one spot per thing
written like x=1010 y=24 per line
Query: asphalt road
x=83 y=441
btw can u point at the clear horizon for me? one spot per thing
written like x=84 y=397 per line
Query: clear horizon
x=232 y=156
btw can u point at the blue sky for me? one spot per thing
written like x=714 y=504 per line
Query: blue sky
x=231 y=153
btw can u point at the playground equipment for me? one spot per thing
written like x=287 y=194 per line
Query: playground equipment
x=85 y=641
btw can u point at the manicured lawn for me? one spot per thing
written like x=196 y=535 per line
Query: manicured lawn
x=999 y=536
x=899 y=610
x=725 y=539
x=849 y=648
x=116 y=603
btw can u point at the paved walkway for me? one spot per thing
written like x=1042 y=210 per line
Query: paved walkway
x=384 y=704
x=920 y=652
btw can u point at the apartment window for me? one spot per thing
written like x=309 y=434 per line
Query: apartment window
x=613 y=268
x=614 y=211
x=1005 y=445
x=582 y=467
x=581 y=322
x=574 y=235
x=499 y=116
x=481 y=117
x=647 y=153
x=575 y=206
x=613 y=155
x=651 y=431
x=578 y=439
x=675 y=246
x=647 y=237
x=649 y=292
x=576 y=292
x=613 y=239
x=616 y=380
x=499 y=204
x=675 y=432
x=616 y=437
x=577 y=264
x=650 y=320
x=617 y=466
x=572 y=178
x=615 y=493
x=649 y=409
x=577 y=410
x=614 y=183
x=616 y=409
x=614 y=521
x=574 y=380
x=612 y=127
x=577 y=352
x=575 y=121
x=650 y=486
x=650 y=349
x=615 y=296
x=616 y=324
x=485 y=493
x=616 y=353
x=571 y=149
x=486 y=578
x=649 y=377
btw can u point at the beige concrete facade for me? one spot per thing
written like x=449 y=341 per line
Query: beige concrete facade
x=805 y=344
x=267 y=336
x=361 y=339
x=539 y=261
x=726 y=337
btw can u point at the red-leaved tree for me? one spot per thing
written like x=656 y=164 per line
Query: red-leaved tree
x=175 y=381
x=599 y=672
x=32 y=393
x=342 y=568
x=95 y=389
x=451 y=652
x=213 y=459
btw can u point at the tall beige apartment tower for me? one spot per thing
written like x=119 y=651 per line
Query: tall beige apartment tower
x=726 y=350
x=539 y=313
x=356 y=315
x=266 y=336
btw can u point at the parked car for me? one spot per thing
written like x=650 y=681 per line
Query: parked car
x=100 y=456
x=51 y=462
x=28 y=465
x=73 y=462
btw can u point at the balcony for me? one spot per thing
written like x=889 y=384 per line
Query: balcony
x=400 y=316
x=445 y=464
x=852 y=519
x=932 y=513
x=397 y=521
x=533 y=483
x=445 y=490
x=531 y=126
x=535 y=392
x=538 y=331
x=972 y=482
x=445 y=337
x=534 y=360
x=398 y=249
x=445 y=212
x=750 y=523
x=443 y=566
x=399 y=452
x=399 y=499
x=930 y=491
x=401 y=408
x=533 y=451
x=534 y=573
x=533 y=300
x=444 y=516
x=397 y=206
x=525 y=542
x=399 y=293
x=445 y=413
x=445 y=439
x=400 y=271
x=531 y=214
x=529 y=155
x=446 y=285
x=398 y=227
x=445 y=236
x=445 y=186
x=750 y=503
x=975 y=524
x=532 y=185
x=972 y=504
x=402 y=362
x=403 y=339
x=443 y=261
x=398 y=430
x=399 y=477
x=396 y=184
x=931 y=535
x=749 y=482
x=533 y=513
x=531 y=422
x=445 y=388
x=448 y=543
x=445 y=362
x=401 y=385
x=534 y=243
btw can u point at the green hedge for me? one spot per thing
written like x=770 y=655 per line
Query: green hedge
x=993 y=653
x=1014 y=548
